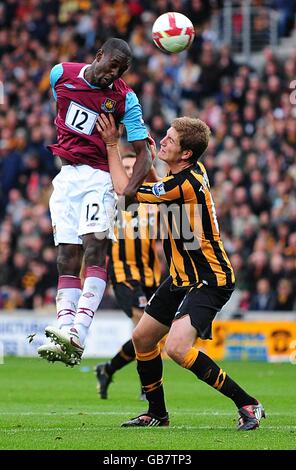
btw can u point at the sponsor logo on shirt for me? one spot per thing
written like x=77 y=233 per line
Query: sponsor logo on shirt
x=158 y=189
x=109 y=105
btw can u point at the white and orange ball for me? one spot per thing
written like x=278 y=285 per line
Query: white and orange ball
x=172 y=32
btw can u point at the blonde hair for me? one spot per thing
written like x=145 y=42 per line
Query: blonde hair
x=194 y=135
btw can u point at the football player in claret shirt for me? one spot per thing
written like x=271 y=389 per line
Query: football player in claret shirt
x=201 y=277
x=82 y=205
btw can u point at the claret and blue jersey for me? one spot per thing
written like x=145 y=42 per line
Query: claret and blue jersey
x=79 y=103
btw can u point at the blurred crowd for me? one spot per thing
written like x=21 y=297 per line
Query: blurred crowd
x=251 y=160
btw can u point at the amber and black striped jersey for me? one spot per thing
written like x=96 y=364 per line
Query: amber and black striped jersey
x=190 y=232
x=133 y=256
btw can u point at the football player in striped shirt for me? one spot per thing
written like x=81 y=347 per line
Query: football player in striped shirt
x=201 y=277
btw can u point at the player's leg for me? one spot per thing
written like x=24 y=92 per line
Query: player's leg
x=193 y=319
x=82 y=208
x=73 y=340
x=153 y=326
x=132 y=299
x=137 y=315
x=68 y=294
x=95 y=277
x=69 y=284
x=146 y=337
x=65 y=214
x=97 y=210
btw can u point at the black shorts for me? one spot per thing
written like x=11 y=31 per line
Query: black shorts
x=132 y=294
x=200 y=302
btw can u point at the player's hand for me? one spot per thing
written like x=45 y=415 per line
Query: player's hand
x=152 y=146
x=107 y=129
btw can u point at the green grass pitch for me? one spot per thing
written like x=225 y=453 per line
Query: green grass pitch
x=49 y=406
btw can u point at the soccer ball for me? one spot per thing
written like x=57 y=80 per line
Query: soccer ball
x=172 y=32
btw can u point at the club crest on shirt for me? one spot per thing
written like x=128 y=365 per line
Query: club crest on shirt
x=109 y=105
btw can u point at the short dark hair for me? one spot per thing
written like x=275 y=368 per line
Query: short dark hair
x=194 y=135
x=113 y=44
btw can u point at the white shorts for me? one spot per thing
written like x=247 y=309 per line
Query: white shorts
x=83 y=201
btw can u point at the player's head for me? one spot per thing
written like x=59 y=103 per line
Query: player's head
x=111 y=61
x=185 y=141
x=128 y=161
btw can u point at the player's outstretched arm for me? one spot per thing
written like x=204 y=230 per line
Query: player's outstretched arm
x=141 y=167
x=106 y=127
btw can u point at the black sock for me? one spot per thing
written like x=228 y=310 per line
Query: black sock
x=150 y=373
x=208 y=371
x=123 y=357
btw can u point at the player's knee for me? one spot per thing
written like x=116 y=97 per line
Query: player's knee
x=142 y=341
x=68 y=265
x=92 y=256
x=95 y=254
x=175 y=351
x=137 y=337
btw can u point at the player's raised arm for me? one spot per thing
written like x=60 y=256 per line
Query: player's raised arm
x=141 y=167
x=152 y=175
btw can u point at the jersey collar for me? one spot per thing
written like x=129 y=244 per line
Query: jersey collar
x=186 y=170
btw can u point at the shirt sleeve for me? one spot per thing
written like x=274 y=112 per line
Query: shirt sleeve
x=55 y=73
x=166 y=190
x=133 y=119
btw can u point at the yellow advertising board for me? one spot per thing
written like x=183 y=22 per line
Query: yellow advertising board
x=270 y=341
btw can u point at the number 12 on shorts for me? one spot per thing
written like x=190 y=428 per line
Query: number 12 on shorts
x=92 y=211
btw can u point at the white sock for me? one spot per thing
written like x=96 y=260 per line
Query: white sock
x=68 y=295
x=93 y=290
